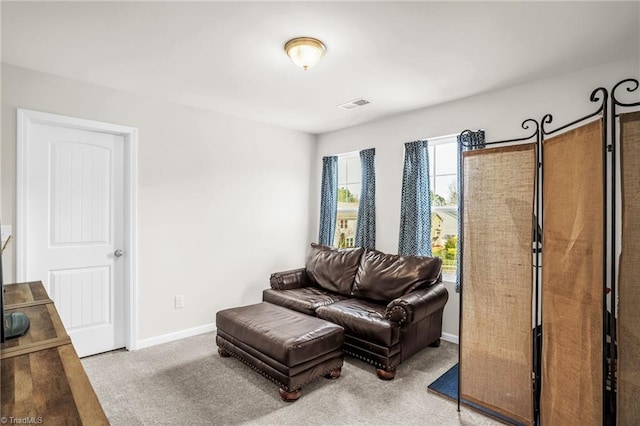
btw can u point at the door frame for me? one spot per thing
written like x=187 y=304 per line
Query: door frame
x=26 y=118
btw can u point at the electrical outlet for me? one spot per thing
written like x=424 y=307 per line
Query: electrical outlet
x=179 y=301
x=6 y=231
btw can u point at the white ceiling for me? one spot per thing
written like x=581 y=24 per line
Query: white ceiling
x=228 y=56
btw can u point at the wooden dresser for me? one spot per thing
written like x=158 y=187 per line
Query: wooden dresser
x=43 y=380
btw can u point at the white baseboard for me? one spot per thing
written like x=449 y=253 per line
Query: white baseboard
x=450 y=338
x=177 y=335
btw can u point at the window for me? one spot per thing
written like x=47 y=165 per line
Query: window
x=443 y=179
x=349 y=182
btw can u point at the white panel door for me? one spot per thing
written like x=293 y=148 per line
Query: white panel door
x=75 y=230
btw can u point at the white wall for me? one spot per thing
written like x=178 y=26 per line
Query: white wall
x=500 y=113
x=222 y=202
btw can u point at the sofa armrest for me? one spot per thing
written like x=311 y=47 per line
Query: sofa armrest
x=287 y=280
x=417 y=305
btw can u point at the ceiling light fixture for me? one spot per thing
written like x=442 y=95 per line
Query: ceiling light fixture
x=305 y=52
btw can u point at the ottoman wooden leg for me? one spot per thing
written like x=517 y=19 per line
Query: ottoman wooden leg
x=334 y=374
x=385 y=375
x=289 y=396
x=223 y=353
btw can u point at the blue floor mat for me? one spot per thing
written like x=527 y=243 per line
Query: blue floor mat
x=447 y=386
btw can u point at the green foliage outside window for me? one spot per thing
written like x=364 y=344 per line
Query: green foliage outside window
x=345 y=196
x=437 y=200
x=453 y=194
x=448 y=253
x=451 y=200
x=451 y=246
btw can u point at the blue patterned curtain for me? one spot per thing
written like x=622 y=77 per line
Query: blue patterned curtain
x=366 y=225
x=466 y=141
x=415 y=207
x=328 y=200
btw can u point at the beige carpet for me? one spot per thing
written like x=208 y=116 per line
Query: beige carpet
x=187 y=383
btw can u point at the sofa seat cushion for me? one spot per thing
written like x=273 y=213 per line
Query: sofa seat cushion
x=362 y=318
x=304 y=299
x=383 y=277
x=331 y=268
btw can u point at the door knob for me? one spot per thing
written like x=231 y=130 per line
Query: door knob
x=118 y=253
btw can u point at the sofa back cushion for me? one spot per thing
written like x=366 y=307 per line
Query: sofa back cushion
x=383 y=277
x=333 y=269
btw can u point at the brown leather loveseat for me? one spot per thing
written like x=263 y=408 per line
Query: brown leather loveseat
x=389 y=305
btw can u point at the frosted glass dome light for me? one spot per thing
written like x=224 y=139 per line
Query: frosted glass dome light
x=305 y=52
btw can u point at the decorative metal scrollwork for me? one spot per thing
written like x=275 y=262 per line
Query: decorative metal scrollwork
x=598 y=95
x=633 y=86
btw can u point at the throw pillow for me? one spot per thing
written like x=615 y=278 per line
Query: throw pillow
x=383 y=277
x=333 y=269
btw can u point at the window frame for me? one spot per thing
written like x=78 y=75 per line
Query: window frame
x=434 y=142
x=344 y=157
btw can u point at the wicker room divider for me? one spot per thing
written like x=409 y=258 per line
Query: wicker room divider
x=541 y=338
x=572 y=273
x=492 y=346
x=628 y=336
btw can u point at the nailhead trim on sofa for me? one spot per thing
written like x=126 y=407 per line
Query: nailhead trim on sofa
x=391 y=314
x=369 y=360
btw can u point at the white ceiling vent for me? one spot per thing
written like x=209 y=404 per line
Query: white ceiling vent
x=354 y=104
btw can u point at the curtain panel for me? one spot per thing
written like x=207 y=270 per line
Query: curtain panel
x=366 y=225
x=328 y=200
x=466 y=141
x=415 y=207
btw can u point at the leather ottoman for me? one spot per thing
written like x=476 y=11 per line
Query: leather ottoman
x=287 y=347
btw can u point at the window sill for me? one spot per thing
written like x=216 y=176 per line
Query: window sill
x=449 y=279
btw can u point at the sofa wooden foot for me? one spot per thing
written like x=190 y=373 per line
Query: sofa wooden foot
x=334 y=374
x=385 y=375
x=223 y=353
x=435 y=344
x=289 y=396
